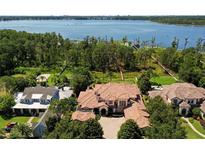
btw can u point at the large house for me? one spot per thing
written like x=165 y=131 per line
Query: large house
x=35 y=99
x=184 y=95
x=106 y=99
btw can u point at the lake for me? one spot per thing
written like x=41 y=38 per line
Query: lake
x=79 y=29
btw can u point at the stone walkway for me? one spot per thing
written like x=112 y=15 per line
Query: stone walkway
x=111 y=126
x=193 y=128
x=29 y=122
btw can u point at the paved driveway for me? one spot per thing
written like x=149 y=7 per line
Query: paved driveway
x=111 y=126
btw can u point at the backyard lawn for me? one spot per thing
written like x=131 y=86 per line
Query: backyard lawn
x=35 y=120
x=163 y=80
x=4 y=120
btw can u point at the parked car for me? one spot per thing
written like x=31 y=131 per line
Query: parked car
x=9 y=126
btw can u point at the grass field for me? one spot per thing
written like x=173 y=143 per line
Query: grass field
x=190 y=133
x=163 y=80
x=35 y=120
x=129 y=77
x=4 y=120
x=198 y=126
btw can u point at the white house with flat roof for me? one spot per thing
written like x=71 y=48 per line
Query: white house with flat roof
x=35 y=99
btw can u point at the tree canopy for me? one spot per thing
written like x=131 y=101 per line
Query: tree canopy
x=144 y=83
x=129 y=130
x=60 y=107
x=6 y=103
x=81 y=79
x=164 y=121
x=21 y=131
x=69 y=129
x=191 y=68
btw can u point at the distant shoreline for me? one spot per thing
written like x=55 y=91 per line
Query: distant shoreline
x=177 y=20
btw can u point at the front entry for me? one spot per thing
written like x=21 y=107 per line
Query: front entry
x=184 y=112
x=103 y=112
x=96 y=110
x=110 y=111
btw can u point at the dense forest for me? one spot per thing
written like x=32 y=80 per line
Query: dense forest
x=51 y=50
x=181 y=20
x=187 y=20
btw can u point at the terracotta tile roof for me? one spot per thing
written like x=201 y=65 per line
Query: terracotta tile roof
x=136 y=113
x=87 y=99
x=114 y=91
x=109 y=91
x=96 y=97
x=179 y=90
x=82 y=116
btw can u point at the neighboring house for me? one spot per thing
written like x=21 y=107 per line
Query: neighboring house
x=42 y=78
x=35 y=99
x=184 y=95
x=106 y=99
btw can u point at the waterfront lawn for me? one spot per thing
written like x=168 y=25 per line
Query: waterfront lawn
x=4 y=120
x=163 y=80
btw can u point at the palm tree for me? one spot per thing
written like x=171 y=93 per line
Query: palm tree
x=175 y=43
x=153 y=42
x=186 y=42
x=21 y=131
x=199 y=44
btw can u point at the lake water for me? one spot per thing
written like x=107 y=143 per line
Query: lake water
x=79 y=29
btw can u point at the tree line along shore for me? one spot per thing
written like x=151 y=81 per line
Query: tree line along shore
x=181 y=20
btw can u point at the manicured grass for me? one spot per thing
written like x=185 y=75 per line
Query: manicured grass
x=27 y=70
x=190 y=133
x=19 y=75
x=4 y=120
x=163 y=80
x=129 y=77
x=35 y=120
x=198 y=126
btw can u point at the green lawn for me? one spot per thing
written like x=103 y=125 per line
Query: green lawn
x=198 y=126
x=190 y=133
x=163 y=80
x=19 y=75
x=4 y=120
x=129 y=77
x=35 y=120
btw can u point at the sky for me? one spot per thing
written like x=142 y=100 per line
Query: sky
x=102 y=7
